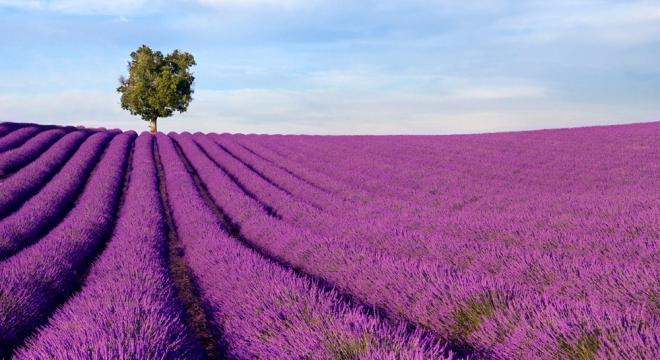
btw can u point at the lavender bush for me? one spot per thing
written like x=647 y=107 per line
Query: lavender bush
x=46 y=208
x=541 y=244
x=127 y=307
x=18 y=137
x=16 y=158
x=33 y=281
x=17 y=188
x=268 y=311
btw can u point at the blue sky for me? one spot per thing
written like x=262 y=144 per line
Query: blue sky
x=341 y=67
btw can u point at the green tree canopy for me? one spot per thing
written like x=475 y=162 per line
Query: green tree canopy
x=157 y=85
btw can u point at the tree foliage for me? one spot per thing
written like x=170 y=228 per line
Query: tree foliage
x=157 y=85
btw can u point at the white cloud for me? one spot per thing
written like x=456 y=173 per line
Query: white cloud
x=319 y=112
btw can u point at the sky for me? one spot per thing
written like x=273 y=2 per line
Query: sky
x=340 y=67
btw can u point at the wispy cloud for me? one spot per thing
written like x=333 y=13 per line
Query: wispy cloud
x=250 y=3
x=320 y=66
x=80 y=7
x=320 y=112
x=497 y=93
x=127 y=7
x=619 y=23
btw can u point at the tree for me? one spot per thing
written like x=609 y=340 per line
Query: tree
x=157 y=85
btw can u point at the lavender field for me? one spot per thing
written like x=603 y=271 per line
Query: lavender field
x=527 y=245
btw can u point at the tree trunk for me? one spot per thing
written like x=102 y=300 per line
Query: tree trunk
x=152 y=126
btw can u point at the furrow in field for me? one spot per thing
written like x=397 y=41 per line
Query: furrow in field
x=295 y=151
x=328 y=223
x=349 y=216
x=543 y=265
x=247 y=223
x=370 y=220
x=232 y=206
x=316 y=157
x=12 y=160
x=268 y=311
x=281 y=203
x=318 y=170
x=127 y=307
x=354 y=221
x=276 y=176
x=17 y=137
x=186 y=288
x=511 y=245
x=44 y=210
x=255 y=144
x=269 y=158
x=232 y=151
x=336 y=212
x=247 y=191
x=396 y=288
x=36 y=280
x=363 y=172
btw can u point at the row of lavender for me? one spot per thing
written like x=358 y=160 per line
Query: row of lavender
x=383 y=236
x=269 y=311
x=127 y=308
x=38 y=278
x=124 y=304
x=541 y=243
